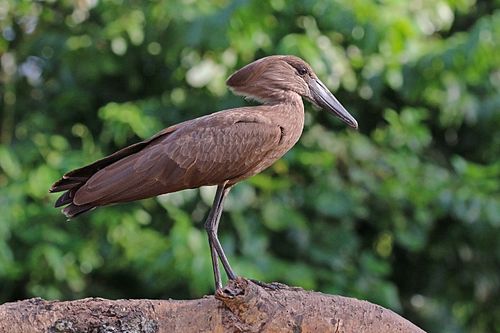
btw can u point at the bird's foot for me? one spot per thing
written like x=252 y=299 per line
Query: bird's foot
x=232 y=289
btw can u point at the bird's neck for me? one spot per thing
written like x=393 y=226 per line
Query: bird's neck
x=289 y=114
x=270 y=95
x=285 y=98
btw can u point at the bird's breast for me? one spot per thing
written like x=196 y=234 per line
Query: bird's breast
x=291 y=123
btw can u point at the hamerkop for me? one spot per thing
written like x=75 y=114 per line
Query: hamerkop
x=220 y=149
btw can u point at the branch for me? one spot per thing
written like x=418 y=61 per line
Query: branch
x=243 y=306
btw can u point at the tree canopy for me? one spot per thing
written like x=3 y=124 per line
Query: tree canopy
x=404 y=212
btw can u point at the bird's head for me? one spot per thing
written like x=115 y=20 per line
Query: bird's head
x=271 y=80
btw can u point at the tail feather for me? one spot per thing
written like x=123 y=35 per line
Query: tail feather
x=65 y=183
x=70 y=185
x=73 y=210
x=65 y=199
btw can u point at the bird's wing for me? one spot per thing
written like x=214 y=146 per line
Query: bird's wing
x=202 y=152
x=74 y=179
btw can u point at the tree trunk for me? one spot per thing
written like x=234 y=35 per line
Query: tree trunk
x=243 y=306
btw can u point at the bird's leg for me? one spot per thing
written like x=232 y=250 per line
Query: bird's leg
x=212 y=225
x=218 y=246
x=213 y=252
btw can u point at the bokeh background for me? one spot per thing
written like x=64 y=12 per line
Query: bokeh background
x=404 y=212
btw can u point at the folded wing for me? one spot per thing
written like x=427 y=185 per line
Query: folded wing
x=206 y=151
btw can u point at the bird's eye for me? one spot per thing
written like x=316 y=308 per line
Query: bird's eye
x=302 y=71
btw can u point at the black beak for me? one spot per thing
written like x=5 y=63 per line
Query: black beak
x=323 y=98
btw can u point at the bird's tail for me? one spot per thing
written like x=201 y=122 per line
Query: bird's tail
x=70 y=183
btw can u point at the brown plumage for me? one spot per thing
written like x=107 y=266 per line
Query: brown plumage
x=218 y=149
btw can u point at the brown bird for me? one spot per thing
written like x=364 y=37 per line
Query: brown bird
x=220 y=149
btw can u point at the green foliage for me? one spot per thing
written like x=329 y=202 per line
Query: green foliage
x=404 y=213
